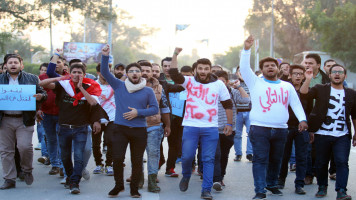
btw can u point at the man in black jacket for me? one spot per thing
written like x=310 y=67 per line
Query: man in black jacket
x=17 y=126
x=330 y=122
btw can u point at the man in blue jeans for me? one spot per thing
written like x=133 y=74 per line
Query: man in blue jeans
x=270 y=98
x=242 y=118
x=201 y=119
x=330 y=127
x=77 y=99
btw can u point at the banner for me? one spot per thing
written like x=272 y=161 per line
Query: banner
x=177 y=103
x=87 y=52
x=17 y=97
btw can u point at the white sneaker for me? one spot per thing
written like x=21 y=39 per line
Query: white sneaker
x=98 y=169
x=86 y=174
x=109 y=171
x=63 y=181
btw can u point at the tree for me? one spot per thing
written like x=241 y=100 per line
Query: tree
x=290 y=38
x=336 y=27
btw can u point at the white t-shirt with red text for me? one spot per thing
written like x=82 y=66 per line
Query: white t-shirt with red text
x=201 y=108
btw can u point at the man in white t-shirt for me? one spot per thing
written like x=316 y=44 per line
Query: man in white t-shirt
x=270 y=99
x=330 y=122
x=201 y=119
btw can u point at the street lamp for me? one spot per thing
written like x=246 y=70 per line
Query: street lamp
x=272 y=33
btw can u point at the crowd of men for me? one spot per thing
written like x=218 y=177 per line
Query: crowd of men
x=288 y=109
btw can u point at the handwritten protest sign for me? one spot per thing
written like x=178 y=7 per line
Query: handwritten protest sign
x=17 y=97
x=176 y=103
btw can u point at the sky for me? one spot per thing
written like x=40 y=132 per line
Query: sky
x=219 y=21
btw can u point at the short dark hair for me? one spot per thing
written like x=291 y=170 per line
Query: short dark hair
x=98 y=67
x=43 y=65
x=166 y=59
x=337 y=65
x=267 y=59
x=204 y=61
x=12 y=55
x=296 y=66
x=315 y=56
x=155 y=64
x=74 y=61
x=77 y=66
x=222 y=74
x=186 y=69
x=329 y=60
x=120 y=65
x=133 y=65
x=194 y=66
x=144 y=63
x=283 y=63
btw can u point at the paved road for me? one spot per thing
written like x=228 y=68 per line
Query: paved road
x=239 y=184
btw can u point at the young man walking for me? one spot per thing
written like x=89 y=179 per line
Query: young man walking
x=201 y=119
x=270 y=98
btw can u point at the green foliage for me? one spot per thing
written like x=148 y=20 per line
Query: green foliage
x=336 y=27
x=231 y=58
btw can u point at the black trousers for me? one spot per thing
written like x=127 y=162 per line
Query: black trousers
x=122 y=136
x=222 y=156
x=96 y=138
x=174 y=142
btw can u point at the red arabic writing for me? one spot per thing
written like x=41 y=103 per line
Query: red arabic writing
x=273 y=97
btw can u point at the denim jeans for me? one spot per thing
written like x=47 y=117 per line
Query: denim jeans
x=241 y=119
x=292 y=155
x=41 y=135
x=268 y=146
x=137 y=137
x=326 y=145
x=311 y=160
x=174 y=142
x=77 y=137
x=222 y=156
x=154 y=137
x=50 y=125
x=301 y=141
x=208 y=137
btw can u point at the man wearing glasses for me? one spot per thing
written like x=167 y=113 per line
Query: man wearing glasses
x=330 y=127
x=134 y=102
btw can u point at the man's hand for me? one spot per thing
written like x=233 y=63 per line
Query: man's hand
x=228 y=130
x=96 y=127
x=167 y=131
x=58 y=51
x=38 y=96
x=131 y=114
x=309 y=74
x=236 y=83
x=311 y=136
x=80 y=83
x=177 y=51
x=303 y=126
x=61 y=78
x=354 y=140
x=106 y=50
x=249 y=42
x=39 y=116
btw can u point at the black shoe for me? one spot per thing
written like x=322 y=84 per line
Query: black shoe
x=8 y=184
x=28 y=178
x=217 y=186
x=21 y=176
x=61 y=173
x=275 y=191
x=322 y=191
x=74 y=188
x=42 y=159
x=135 y=194
x=299 y=190
x=184 y=183
x=67 y=183
x=280 y=184
x=206 y=195
x=238 y=158
x=47 y=162
x=115 y=191
x=260 y=196
x=54 y=171
x=249 y=157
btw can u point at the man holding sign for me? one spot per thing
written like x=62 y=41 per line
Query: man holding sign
x=17 y=125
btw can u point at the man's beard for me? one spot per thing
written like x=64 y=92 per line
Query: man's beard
x=135 y=82
x=207 y=77
x=156 y=76
x=270 y=76
x=119 y=75
x=335 y=83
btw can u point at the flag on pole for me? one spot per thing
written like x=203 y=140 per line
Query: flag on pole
x=181 y=27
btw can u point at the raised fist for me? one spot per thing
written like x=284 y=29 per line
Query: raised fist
x=177 y=50
x=58 y=51
x=309 y=74
x=106 y=50
x=249 y=42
